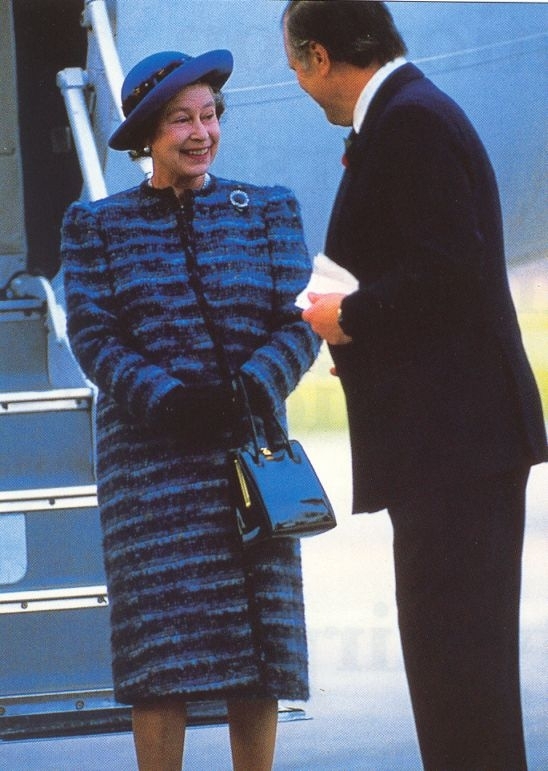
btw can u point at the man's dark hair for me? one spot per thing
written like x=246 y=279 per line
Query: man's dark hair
x=357 y=32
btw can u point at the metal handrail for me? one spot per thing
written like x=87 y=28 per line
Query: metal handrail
x=72 y=82
x=96 y=18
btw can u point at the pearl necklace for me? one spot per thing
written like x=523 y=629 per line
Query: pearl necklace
x=204 y=185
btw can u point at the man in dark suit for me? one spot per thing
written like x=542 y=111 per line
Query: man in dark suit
x=444 y=414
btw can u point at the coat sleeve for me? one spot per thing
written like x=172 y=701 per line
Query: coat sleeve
x=275 y=368
x=101 y=346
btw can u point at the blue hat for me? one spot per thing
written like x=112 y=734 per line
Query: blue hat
x=156 y=79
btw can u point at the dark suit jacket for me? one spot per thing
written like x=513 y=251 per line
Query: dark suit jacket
x=437 y=383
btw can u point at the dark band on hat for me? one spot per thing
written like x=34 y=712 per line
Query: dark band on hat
x=140 y=91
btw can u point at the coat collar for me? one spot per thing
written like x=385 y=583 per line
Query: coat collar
x=393 y=83
x=167 y=194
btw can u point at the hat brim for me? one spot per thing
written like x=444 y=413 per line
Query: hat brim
x=214 y=67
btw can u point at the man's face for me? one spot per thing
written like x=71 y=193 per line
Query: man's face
x=305 y=70
x=315 y=76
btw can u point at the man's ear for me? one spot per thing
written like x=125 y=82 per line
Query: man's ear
x=320 y=56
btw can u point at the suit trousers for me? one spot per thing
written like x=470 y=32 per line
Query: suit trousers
x=457 y=554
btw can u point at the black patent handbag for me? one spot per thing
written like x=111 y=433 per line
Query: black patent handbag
x=277 y=493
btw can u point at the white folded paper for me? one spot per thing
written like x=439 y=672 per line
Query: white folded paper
x=326 y=277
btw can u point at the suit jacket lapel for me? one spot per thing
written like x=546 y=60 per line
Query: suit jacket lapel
x=355 y=152
x=393 y=83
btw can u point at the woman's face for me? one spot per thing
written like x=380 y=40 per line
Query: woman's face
x=186 y=139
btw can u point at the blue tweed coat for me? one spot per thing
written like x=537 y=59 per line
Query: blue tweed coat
x=191 y=614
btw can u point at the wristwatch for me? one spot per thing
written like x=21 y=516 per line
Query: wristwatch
x=340 y=320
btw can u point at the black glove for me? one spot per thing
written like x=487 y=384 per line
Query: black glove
x=196 y=414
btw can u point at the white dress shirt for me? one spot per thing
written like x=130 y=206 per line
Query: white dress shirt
x=371 y=88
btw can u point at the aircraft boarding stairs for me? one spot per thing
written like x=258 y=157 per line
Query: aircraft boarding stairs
x=53 y=604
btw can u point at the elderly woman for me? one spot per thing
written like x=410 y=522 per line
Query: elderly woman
x=193 y=616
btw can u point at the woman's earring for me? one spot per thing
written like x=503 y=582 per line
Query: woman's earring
x=146 y=150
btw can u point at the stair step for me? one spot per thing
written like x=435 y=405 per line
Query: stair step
x=23 y=345
x=46 y=439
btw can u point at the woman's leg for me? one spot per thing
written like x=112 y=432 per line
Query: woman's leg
x=252 y=724
x=159 y=734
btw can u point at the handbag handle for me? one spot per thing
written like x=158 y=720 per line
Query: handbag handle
x=262 y=452
x=236 y=383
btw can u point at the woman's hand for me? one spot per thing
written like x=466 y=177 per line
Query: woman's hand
x=198 y=414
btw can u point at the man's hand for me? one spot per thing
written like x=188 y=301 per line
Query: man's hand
x=322 y=317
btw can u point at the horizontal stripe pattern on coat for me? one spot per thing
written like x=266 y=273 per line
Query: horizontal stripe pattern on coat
x=191 y=613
